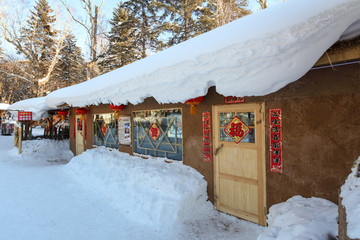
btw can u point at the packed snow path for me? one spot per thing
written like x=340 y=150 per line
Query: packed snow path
x=39 y=201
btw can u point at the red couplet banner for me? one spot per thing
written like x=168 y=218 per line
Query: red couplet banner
x=276 y=164
x=206 y=136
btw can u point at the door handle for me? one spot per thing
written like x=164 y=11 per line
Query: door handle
x=218 y=148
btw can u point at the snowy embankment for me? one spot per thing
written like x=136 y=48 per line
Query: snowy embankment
x=302 y=218
x=150 y=199
x=150 y=191
x=350 y=194
x=55 y=151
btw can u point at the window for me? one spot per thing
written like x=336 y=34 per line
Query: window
x=158 y=133
x=105 y=130
x=248 y=118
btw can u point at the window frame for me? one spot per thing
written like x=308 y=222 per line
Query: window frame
x=164 y=134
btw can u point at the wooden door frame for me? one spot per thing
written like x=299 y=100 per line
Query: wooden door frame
x=78 y=116
x=244 y=107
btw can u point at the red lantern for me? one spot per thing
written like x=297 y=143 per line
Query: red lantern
x=82 y=112
x=193 y=103
x=62 y=113
x=117 y=109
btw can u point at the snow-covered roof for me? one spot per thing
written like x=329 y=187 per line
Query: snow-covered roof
x=37 y=106
x=255 y=55
x=4 y=106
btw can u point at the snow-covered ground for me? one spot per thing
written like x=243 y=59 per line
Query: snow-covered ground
x=105 y=194
x=350 y=194
x=43 y=199
x=302 y=218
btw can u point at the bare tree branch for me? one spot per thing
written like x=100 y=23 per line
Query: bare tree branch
x=263 y=3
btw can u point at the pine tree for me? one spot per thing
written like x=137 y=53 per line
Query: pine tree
x=145 y=31
x=40 y=29
x=71 y=67
x=179 y=18
x=220 y=12
x=39 y=39
x=122 y=42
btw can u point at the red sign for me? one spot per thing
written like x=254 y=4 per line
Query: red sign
x=231 y=99
x=206 y=136
x=154 y=132
x=24 y=116
x=275 y=140
x=237 y=130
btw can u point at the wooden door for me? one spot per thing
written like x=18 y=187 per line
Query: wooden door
x=80 y=134
x=239 y=168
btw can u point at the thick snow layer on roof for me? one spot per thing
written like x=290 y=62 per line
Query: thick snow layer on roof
x=37 y=106
x=350 y=194
x=4 y=106
x=255 y=55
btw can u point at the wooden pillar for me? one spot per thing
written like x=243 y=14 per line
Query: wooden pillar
x=20 y=138
x=51 y=127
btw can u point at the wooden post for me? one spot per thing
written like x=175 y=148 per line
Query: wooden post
x=20 y=137
x=51 y=126
x=16 y=135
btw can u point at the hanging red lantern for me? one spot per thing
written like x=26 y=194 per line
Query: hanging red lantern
x=193 y=103
x=62 y=113
x=82 y=112
x=117 y=109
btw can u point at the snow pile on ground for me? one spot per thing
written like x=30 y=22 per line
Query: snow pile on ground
x=149 y=191
x=350 y=194
x=302 y=219
x=242 y=58
x=54 y=150
x=37 y=131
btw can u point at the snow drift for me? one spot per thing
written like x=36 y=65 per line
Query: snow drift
x=255 y=55
x=350 y=194
x=149 y=191
x=55 y=151
x=302 y=219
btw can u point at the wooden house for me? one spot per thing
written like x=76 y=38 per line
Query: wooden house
x=270 y=122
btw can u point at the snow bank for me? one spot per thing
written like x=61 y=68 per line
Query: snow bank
x=55 y=151
x=255 y=55
x=37 y=106
x=149 y=191
x=350 y=194
x=302 y=219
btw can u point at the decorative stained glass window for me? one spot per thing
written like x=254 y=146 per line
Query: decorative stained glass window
x=248 y=118
x=105 y=130
x=158 y=133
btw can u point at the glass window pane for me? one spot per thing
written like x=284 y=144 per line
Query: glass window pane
x=164 y=142
x=105 y=130
x=248 y=118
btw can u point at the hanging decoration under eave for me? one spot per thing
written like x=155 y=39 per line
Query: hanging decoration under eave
x=193 y=103
x=82 y=112
x=62 y=113
x=117 y=109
